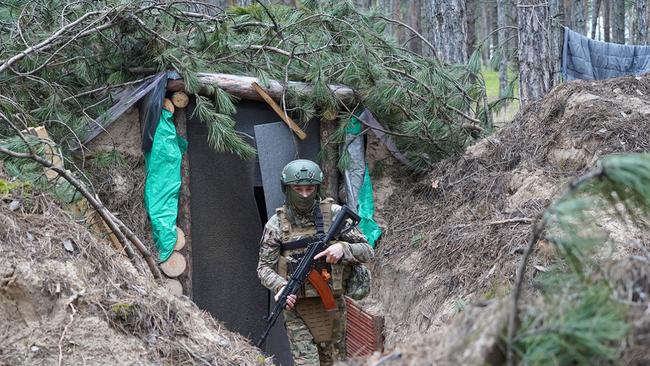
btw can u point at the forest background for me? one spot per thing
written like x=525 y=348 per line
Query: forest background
x=490 y=26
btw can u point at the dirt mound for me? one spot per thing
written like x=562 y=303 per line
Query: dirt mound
x=455 y=236
x=68 y=298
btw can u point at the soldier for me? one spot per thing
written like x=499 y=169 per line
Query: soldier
x=317 y=337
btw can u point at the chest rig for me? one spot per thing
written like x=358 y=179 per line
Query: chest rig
x=289 y=257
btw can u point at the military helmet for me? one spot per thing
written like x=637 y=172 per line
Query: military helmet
x=301 y=172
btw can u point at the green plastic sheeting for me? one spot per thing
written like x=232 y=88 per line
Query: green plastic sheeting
x=163 y=182
x=367 y=225
x=365 y=204
x=354 y=127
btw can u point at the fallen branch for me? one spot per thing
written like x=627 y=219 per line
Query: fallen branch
x=433 y=49
x=115 y=224
x=540 y=226
x=526 y=220
x=65 y=329
x=521 y=271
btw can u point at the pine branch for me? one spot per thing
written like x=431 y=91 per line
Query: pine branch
x=626 y=175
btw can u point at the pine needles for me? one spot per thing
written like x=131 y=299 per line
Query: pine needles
x=580 y=321
x=83 y=46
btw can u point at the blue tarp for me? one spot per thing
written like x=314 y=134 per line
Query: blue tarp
x=586 y=59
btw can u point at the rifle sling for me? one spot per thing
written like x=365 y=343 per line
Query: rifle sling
x=304 y=242
x=298 y=244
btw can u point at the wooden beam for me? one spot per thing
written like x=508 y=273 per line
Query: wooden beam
x=280 y=112
x=184 y=215
x=51 y=154
x=242 y=87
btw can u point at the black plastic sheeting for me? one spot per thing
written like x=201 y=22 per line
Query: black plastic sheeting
x=149 y=93
x=150 y=108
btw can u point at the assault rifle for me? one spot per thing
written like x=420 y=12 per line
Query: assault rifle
x=305 y=269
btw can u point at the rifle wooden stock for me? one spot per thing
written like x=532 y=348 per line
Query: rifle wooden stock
x=323 y=290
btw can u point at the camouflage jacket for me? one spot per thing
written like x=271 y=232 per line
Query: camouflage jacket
x=355 y=248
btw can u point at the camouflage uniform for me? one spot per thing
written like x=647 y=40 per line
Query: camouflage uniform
x=303 y=348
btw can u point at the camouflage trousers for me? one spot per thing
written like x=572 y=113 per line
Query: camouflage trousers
x=303 y=348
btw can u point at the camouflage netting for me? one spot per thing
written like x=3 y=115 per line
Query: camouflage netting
x=455 y=236
x=68 y=298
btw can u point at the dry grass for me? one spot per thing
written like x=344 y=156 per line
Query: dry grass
x=87 y=304
x=455 y=234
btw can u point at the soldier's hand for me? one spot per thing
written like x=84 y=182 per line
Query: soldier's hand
x=332 y=254
x=291 y=299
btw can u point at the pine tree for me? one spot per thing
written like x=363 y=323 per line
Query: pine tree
x=66 y=79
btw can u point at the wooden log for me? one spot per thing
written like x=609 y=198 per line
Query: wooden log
x=174 y=266
x=180 y=99
x=280 y=112
x=184 y=216
x=168 y=105
x=242 y=87
x=174 y=286
x=180 y=239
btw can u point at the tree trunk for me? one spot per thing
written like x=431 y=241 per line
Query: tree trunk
x=397 y=15
x=641 y=10
x=557 y=39
x=618 y=10
x=594 y=18
x=471 y=26
x=494 y=25
x=363 y=4
x=484 y=31
x=330 y=156
x=447 y=29
x=578 y=15
x=502 y=12
x=415 y=44
x=568 y=13
x=535 y=50
x=607 y=16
